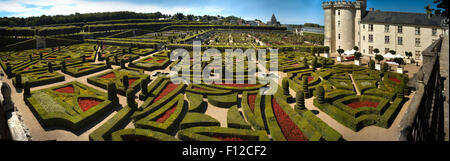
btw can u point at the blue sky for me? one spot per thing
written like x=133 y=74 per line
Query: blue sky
x=287 y=11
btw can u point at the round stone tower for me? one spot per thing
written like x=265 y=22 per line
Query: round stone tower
x=345 y=25
x=342 y=23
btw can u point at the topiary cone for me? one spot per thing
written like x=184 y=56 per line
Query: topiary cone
x=300 y=100
x=112 y=92
x=285 y=84
x=26 y=89
x=131 y=100
x=305 y=86
x=320 y=94
x=144 y=85
x=50 y=67
x=122 y=64
x=19 y=80
x=125 y=81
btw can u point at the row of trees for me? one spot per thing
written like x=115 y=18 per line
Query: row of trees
x=77 y=18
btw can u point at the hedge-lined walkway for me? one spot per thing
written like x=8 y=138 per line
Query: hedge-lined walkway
x=370 y=133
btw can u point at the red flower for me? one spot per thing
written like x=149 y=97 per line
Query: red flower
x=169 y=88
x=68 y=89
x=288 y=127
x=87 y=103
x=110 y=75
x=166 y=115
x=251 y=101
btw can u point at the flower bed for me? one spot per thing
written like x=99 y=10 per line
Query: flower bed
x=135 y=76
x=59 y=107
x=356 y=105
x=67 y=89
x=396 y=80
x=167 y=89
x=251 y=101
x=87 y=103
x=289 y=128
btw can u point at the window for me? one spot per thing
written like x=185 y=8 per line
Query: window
x=364 y=37
x=371 y=50
x=386 y=50
x=386 y=39
x=339 y=12
x=339 y=23
x=434 y=31
x=418 y=55
x=400 y=40
x=417 y=42
x=370 y=27
x=417 y=30
x=364 y=51
x=386 y=28
x=364 y=26
x=370 y=38
x=339 y=36
x=400 y=29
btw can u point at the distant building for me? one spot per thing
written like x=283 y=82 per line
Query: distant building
x=317 y=30
x=273 y=21
x=349 y=24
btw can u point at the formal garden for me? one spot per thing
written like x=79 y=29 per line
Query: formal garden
x=108 y=88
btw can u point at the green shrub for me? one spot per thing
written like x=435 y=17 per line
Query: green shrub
x=50 y=67
x=224 y=101
x=372 y=64
x=195 y=102
x=305 y=86
x=300 y=100
x=125 y=81
x=209 y=133
x=235 y=119
x=320 y=94
x=193 y=119
x=142 y=135
x=104 y=131
x=131 y=100
x=112 y=92
x=26 y=89
x=19 y=80
x=385 y=67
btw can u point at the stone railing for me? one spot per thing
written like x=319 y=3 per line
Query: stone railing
x=11 y=123
x=423 y=120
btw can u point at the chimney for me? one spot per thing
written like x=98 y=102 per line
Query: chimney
x=371 y=9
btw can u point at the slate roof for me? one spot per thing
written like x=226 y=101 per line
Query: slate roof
x=404 y=18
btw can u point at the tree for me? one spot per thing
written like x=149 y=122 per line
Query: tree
x=144 y=84
x=190 y=17
x=178 y=16
x=393 y=52
x=379 y=58
x=408 y=54
x=385 y=67
x=376 y=50
x=358 y=55
x=340 y=51
x=372 y=64
x=399 y=61
x=441 y=10
x=356 y=48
